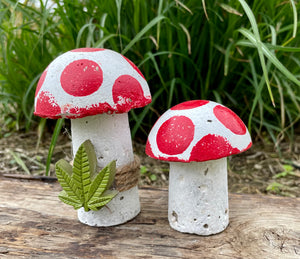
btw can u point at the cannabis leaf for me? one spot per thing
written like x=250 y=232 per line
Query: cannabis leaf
x=82 y=186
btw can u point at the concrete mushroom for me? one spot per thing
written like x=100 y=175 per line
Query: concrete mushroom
x=196 y=137
x=96 y=88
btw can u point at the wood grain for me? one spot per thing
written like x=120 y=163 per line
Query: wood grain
x=35 y=224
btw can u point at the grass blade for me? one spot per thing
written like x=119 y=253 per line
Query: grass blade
x=19 y=161
x=270 y=56
x=55 y=135
x=247 y=43
x=295 y=17
x=254 y=27
x=152 y=23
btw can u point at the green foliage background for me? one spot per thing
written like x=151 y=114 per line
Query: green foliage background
x=227 y=51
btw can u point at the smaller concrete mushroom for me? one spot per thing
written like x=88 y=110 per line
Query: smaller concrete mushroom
x=196 y=137
x=96 y=88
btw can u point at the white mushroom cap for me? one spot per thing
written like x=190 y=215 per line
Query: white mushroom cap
x=197 y=130
x=90 y=81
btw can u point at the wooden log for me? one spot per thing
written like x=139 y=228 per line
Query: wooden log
x=35 y=224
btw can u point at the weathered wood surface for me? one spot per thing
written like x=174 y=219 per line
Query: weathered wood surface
x=35 y=224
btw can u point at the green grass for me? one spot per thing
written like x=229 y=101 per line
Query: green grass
x=245 y=56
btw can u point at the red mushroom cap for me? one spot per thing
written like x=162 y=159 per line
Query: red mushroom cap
x=90 y=81
x=197 y=131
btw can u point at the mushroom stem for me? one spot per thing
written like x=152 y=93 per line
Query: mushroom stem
x=110 y=135
x=198 y=197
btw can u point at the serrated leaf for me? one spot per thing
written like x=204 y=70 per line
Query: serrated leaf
x=108 y=193
x=84 y=166
x=112 y=173
x=98 y=203
x=64 y=166
x=103 y=180
x=63 y=196
x=63 y=172
x=81 y=186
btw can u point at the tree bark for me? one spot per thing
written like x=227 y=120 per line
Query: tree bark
x=35 y=224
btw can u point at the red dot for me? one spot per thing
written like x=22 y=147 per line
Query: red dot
x=81 y=77
x=41 y=81
x=86 y=50
x=46 y=106
x=212 y=147
x=189 y=105
x=134 y=66
x=230 y=120
x=127 y=90
x=175 y=135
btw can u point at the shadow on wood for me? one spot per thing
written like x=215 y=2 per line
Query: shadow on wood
x=35 y=224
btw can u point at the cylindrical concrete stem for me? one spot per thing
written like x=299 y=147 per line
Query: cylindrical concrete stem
x=110 y=135
x=198 y=197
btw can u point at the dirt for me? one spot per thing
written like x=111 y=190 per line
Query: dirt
x=259 y=170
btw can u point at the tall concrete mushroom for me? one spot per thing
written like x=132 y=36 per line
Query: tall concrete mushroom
x=96 y=88
x=196 y=137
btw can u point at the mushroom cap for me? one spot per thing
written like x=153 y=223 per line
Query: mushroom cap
x=197 y=130
x=90 y=81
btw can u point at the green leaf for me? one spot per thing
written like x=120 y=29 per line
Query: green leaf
x=275 y=187
x=143 y=169
x=108 y=193
x=112 y=172
x=96 y=204
x=258 y=45
x=230 y=9
x=248 y=43
x=81 y=186
x=19 y=161
x=295 y=18
x=63 y=196
x=288 y=168
x=55 y=135
x=63 y=172
x=102 y=181
x=84 y=166
x=141 y=33
x=270 y=56
x=153 y=177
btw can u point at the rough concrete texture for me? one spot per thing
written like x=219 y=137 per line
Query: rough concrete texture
x=199 y=131
x=110 y=135
x=198 y=197
x=124 y=207
x=89 y=81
